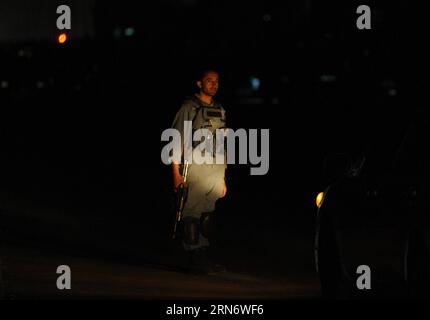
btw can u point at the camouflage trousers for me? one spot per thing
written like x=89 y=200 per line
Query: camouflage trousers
x=205 y=186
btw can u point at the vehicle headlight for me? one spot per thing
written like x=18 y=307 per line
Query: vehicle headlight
x=320 y=199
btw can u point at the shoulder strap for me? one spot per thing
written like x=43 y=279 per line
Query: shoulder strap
x=198 y=105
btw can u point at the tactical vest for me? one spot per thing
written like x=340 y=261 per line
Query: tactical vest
x=207 y=117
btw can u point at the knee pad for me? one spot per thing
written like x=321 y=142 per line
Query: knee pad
x=191 y=230
x=205 y=224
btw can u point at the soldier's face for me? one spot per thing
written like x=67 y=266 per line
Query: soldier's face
x=209 y=84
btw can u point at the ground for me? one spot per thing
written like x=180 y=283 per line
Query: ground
x=125 y=261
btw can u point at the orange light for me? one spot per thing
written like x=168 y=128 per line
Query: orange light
x=62 y=38
x=320 y=199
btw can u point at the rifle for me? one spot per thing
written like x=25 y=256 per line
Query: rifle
x=180 y=199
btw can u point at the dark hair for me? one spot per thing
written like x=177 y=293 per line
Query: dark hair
x=204 y=72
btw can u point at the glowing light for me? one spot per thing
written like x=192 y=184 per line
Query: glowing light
x=129 y=32
x=255 y=83
x=62 y=38
x=320 y=199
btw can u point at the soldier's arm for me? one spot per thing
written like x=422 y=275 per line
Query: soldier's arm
x=177 y=177
x=178 y=124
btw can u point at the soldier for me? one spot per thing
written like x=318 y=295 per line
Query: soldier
x=205 y=182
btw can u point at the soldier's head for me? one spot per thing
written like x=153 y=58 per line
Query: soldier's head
x=208 y=82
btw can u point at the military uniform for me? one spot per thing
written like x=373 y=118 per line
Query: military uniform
x=205 y=181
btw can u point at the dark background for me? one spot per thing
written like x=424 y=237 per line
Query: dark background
x=81 y=122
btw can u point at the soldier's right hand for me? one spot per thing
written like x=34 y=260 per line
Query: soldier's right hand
x=177 y=181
